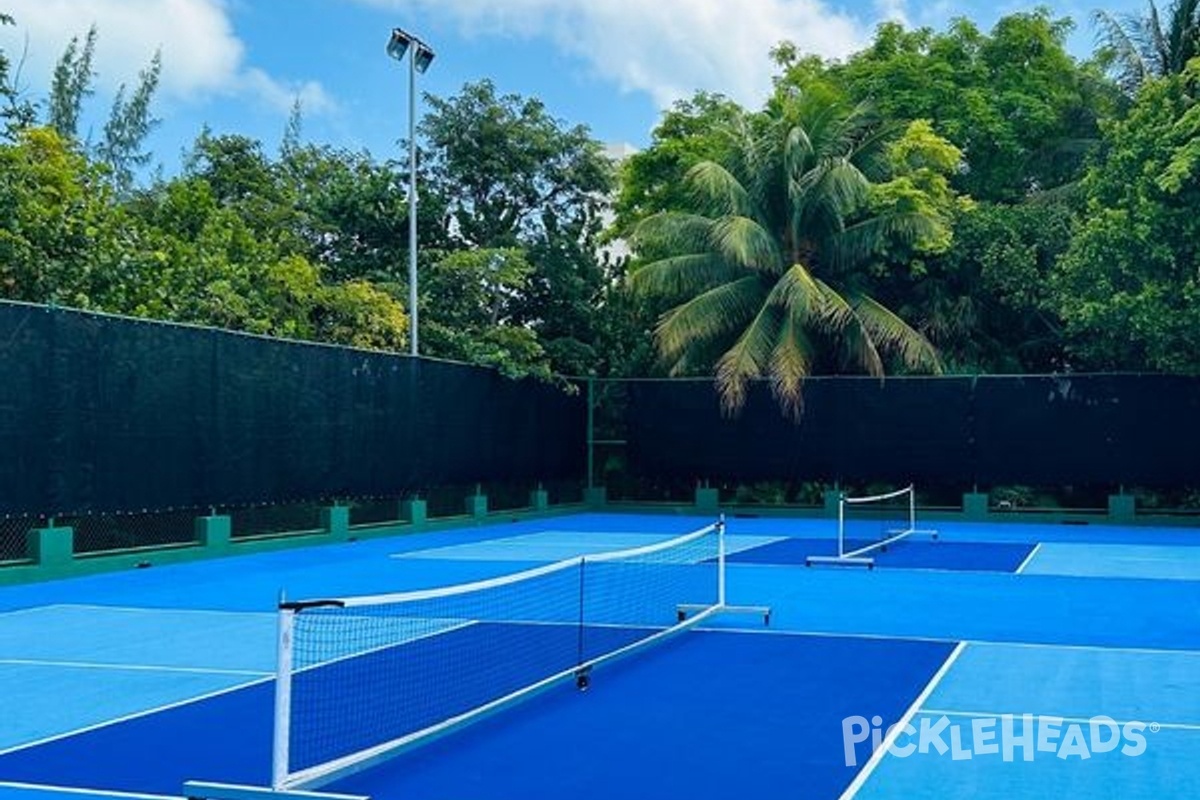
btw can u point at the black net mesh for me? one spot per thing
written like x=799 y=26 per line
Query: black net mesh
x=370 y=672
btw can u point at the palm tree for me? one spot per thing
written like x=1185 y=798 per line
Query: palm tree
x=1143 y=48
x=762 y=269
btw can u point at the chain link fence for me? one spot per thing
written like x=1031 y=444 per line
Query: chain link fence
x=275 y=520
x=14 y=534
x=101 y=533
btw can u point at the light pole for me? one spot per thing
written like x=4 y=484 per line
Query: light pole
x=420 y=56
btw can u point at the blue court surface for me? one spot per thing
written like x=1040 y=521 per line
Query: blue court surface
x=998 y=661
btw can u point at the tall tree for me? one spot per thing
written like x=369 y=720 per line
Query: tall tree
x=688 y=133
x=509 y=175
x=15 y=113
x=1021 y=109
x=1128 y=288
x=129 y=123
x=508 y=166
x=1145 y=47
x=763 y=262
x=71 y=85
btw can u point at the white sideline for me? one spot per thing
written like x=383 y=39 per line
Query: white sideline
x=894 y=733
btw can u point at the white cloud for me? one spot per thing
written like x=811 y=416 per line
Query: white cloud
x=667 y=48
x=202 y=54
x=893 y=11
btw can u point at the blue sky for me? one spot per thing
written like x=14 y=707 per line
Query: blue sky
x=612 y=65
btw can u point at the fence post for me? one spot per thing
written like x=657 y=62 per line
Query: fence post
x=539 y=499
x=52 y=547
x=1122 y=507
x=477 y=504
x=214 y=533
x=335 y=520
x=975 y=506
x=595 y=496
x=833 y=499
x=414 y=511
x=708 y=500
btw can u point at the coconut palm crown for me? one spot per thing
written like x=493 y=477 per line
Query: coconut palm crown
x=1150 y=46
x=765 y=267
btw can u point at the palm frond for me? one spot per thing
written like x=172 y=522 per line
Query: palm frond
x=1158 y=43
x=748 y=358
x=842 y=187
x=677 y=275
x=895 y=336
x=720 y=311
x=1113 y=34
x=673 y=230
x=858 y=242
x=744 y=242
x=717 y=190
x=791 y=363
x=809 y=301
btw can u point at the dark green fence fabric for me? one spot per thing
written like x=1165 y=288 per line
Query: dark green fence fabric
x=101 y=414
x=1088 y=429
x=1041 y=430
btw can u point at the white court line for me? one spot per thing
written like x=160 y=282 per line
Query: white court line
x=30 y=609
x=880 y=569
x=954 y=640
x=132 y=716
x=894 y=733
x=87 y=792
x=1173 y=726
x=159 y=611
x=1029 y=558
x=117 y=667
x=187 y=701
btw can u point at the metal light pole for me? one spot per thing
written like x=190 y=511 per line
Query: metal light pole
x=420 y=56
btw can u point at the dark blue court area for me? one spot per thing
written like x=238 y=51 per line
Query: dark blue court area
x=708 y=714
x=908 y=554
x=139 y=680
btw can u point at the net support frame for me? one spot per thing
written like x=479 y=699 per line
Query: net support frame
x=283 y=780
x=286 y=621
x=856 y=556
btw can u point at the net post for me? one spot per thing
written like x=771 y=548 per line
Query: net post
x=841 y=544
x=721 y=561
x=283 y=697
x=912 y=507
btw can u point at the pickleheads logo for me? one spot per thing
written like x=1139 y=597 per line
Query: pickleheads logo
x=1006 y=736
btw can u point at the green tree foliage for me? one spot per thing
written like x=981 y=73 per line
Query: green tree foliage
x=17 y=112
x=508 y=175
x=129 y=123
x=476 y=292
x=691 y=131
x=509 y=169
x=986 y=303
x=765 y=261
x=1129 y=286
x=1149 y=46
x=71 y=85
x=352 y=215
x=1014 y=101
x=56 y=220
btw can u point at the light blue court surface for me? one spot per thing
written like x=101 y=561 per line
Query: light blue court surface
x=556 y=545
x=1101 y=723
x=1116 y=561
x=139 y=680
